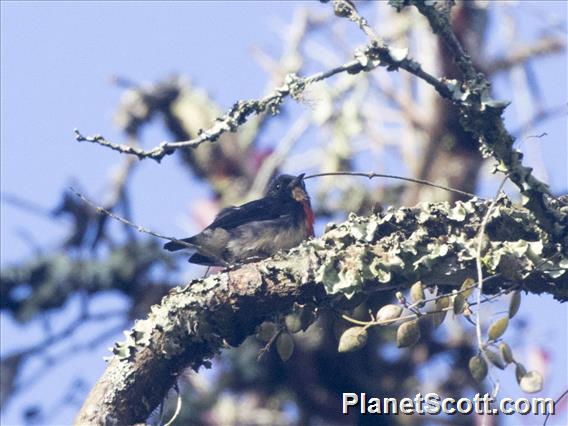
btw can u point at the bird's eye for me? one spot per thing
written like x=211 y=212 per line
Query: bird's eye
x=278 y=186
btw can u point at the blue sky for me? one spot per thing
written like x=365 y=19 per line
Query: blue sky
x=57 y=59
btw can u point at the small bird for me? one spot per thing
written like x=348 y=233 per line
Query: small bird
x=280 y=220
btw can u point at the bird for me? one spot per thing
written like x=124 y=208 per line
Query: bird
x=281 y=220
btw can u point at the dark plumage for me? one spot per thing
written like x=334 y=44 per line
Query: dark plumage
x=255 y=230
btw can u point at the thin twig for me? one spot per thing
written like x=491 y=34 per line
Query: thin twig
x=178 y=406
x=72 y=351
x=555 y=403
x=373 y=175
x=236 y=117
x=480 y=282
x=520 y=55
x=268 y=345
x=376 y=53
x=142 y=229
x=70 y=330
x=539 y=117
x=412 y=316
x=24 y=204
x=126 y=221
x=478 y=261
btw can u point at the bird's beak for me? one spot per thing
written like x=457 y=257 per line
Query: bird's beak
x=298 y=179
x=298 y=190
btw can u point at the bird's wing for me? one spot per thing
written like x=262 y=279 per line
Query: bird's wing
x=233 y=216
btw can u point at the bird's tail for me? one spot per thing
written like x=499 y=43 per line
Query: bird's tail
x=175 y=246
x=197 y=258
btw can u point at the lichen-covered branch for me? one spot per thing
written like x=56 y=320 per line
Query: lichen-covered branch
x=481 y=115
x=373 y=55
x=433 y=243
x=235 y=117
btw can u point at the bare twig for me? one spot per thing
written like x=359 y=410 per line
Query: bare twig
x=126 y=221
x=386 y=54
x=236 y=117
x=555 y=403
x=540 y=116
x=375 y=54
x=178 y=407
x=521 y=54
x=141 y=228
x=432 y=299
x=263 y=351
x=478 y=260
x=480 y=279
x=373 y=175
x=70 y=330
x=22 y=203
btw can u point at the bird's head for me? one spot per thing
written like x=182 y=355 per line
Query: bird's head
x=286 y=187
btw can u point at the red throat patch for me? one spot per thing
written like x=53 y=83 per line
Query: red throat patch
x=310 y=217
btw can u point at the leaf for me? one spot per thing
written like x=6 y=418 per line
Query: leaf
x=265 y=331
x=520 y=371
x=352 y=339
x=495 y=359
x=514 y=304
x=467 y=287
x=408 y=334
x=389 y=312
x=293 y=322
x=531 y=382
x=478 y=368
x=506 y=352
x=307 y=316
x=498 y=328
x=285 y=346
x=459 y=303
x=417 y=292
x=440 y=304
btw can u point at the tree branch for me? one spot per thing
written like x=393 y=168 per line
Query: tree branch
x=541 y=47
x=234 y=118
x=433 y=243
x=373 y=55
x=481 y=115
